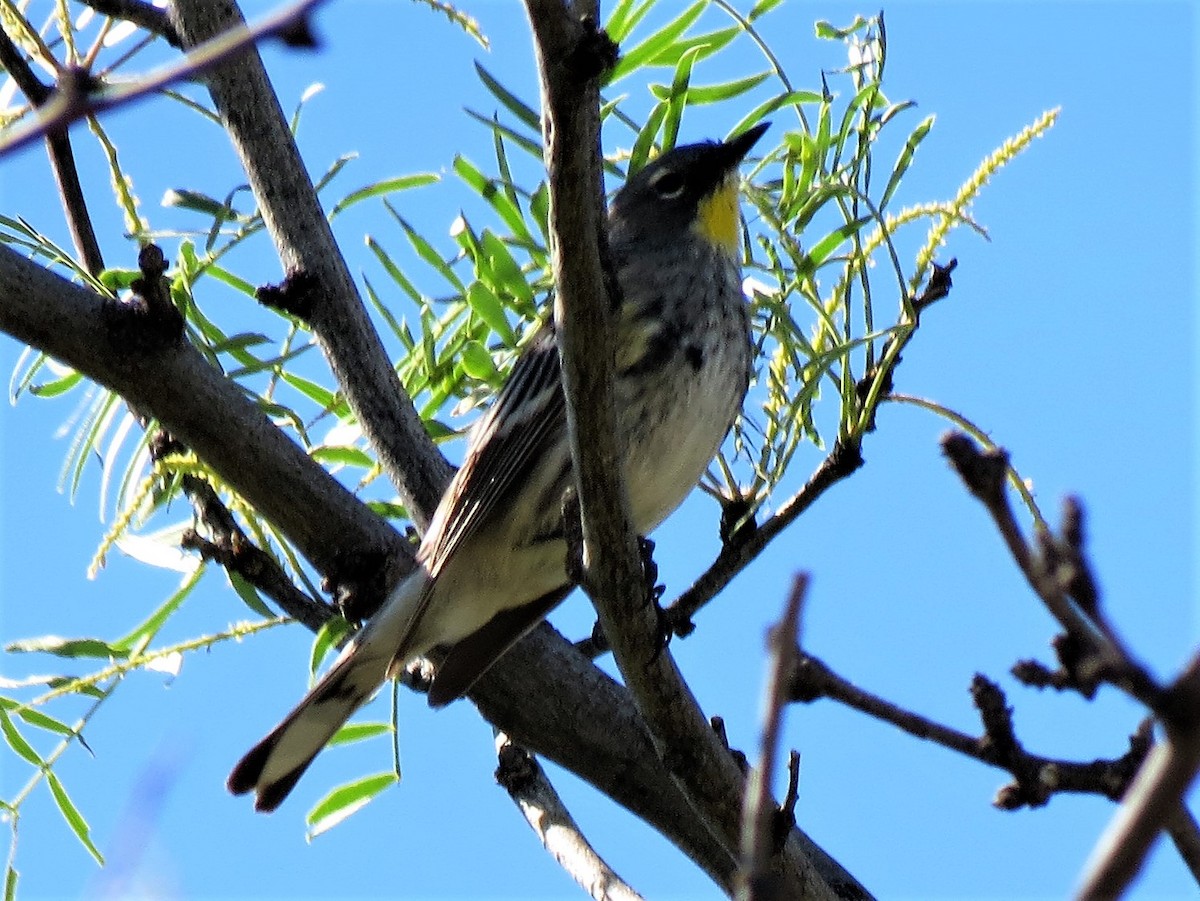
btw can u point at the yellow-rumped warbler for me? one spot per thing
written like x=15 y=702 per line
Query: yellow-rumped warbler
x=493 y=561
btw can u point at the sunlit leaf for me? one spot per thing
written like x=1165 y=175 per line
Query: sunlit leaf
x=345 y=800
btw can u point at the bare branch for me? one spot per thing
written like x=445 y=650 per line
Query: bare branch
x=228 y=545
x=747 y=544
x=1036 y=778
x=527 y=784
x=1154 y=799
x=62 y=158
x=1057 y=572
x=755 y=880
x=141 y=14
x=302 y=236
x=586 y=722
x=77 y=94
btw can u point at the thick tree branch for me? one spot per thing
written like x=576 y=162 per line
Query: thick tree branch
x=588 y=723
x=198 y=405
x=568 y=49
x=585 y=721
x=523 y=778
x=304 y=241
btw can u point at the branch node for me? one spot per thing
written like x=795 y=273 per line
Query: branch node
x=718 y=726
x=146 y=321
x=982 y=471
x=936 y=288
x=594 y=54
x=297 y=295
x=515 y=768
x=359 y=582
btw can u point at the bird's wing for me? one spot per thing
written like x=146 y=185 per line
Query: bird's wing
x=507 y=444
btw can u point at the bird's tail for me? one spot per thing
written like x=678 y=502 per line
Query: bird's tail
x=274 y=765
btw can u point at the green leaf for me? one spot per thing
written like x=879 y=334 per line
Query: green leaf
x=221 y=274
x=389 y=510
x=37 y=718
x=519 y=108
x=119 y=279
x=702 y=45
x=792 y=98
x=332 y=172
x=761 y=8
x=57 y=387
x=477 y=362
x=65 y=647
x=829 y=32
x=144 y=631
x=393 y=270
x=355 y=732
x=383 y=188
x=71 y=814
x=639 y=155
x=426 y=251
x=487 y=307
x=328 y=637
x=678 y=98
x=248 y=593
x=821 y=251
x=905 y=159
x=342 y=455
x=625 y=18
x=490 y=190
x=697 y=95
x=318 y=394
x=657 y=44
x=346 y=800
x=198 y=203
x=10 y=883
x=17 y=742
x=506 y=274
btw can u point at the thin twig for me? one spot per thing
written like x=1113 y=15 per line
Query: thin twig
x=739 y=553
x=228 y=545
x=141 y=14
x=756 y=882
x=1056 y=571
x=1036 y=778
x=76 y=97
x=62 y=158
x=526 y=782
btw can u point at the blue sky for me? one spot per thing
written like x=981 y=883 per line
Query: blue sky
x=1069 y=336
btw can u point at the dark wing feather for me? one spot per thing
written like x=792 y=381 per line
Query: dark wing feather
x=528 y=416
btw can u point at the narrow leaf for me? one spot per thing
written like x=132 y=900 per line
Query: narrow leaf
x=346 y=800
x=71 y=814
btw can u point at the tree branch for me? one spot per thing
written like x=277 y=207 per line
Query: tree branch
x=523 y=778
x=304 y=240
x=141 y=14
x=199 y=406
x=1155 y=798
x=568 y=47
x=78 y=93
x=759 y=825
x=62 y=158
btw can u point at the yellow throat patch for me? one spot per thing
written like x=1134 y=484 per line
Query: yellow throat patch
x=718 y=218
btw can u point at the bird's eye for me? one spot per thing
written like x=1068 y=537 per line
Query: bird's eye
x=668 y=184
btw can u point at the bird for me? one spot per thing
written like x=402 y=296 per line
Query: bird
x=493 y=561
